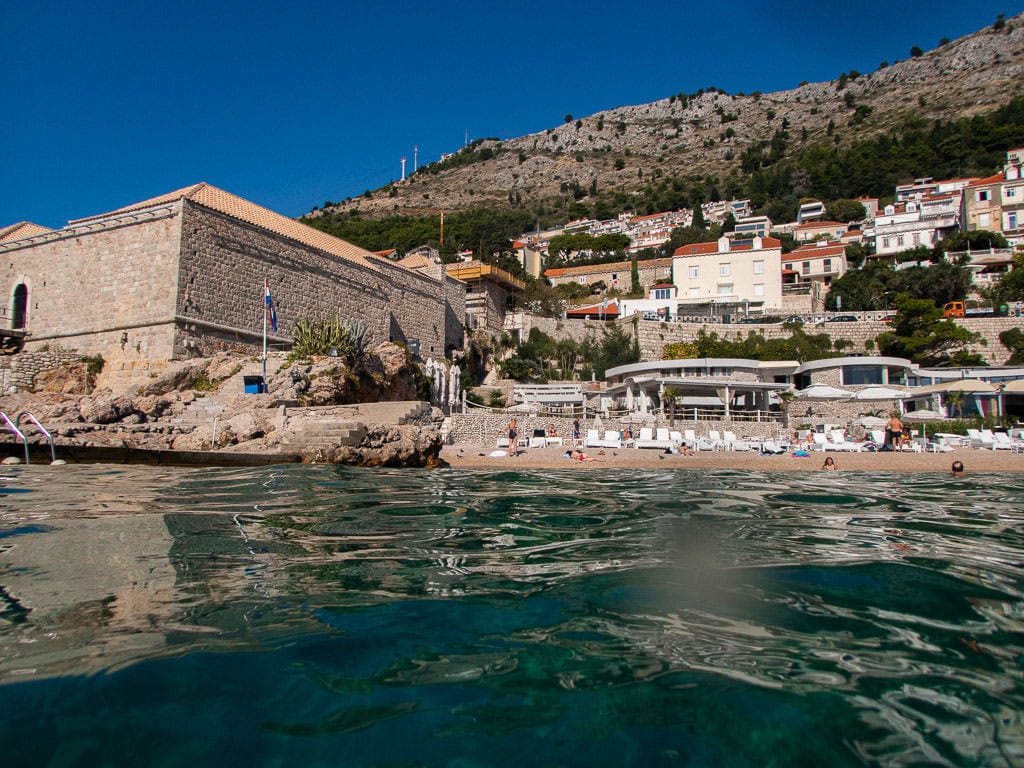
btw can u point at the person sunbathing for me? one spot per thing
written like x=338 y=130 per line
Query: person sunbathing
x=579 y=456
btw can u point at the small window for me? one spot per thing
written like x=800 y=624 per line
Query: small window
x=827 y=265
x=759 y=289
x=1011 y=220
x=983 y=195
x=725 y=289
x=723 y=270
x=583 y=279
x=805 y=268
x=984 y=220
x=694 y=293
x=899 y=240
x=758 y=267
x=615 y=275
x=885 y=242
x=694 y=273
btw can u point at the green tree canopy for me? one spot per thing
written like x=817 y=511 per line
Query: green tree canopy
x=921 y=334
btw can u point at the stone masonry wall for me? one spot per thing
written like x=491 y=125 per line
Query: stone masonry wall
x=104 y=288
x=654 y=335
x=483 y=428
x=18 y=372
x=417 y=305
x=454 y=312
x=223 y=265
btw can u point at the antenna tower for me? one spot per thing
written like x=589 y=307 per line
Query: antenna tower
x=415 y=157
x=403 y=169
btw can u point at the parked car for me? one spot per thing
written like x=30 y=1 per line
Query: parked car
x=793 y=319
x=842 y=319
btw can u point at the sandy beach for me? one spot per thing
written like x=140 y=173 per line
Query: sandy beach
x=974 y=459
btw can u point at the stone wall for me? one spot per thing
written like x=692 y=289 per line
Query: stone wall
x=105 y=287
x=220 y=290
x=483 y=428
x=454 y=313
x=417 y=309
x=18 y=372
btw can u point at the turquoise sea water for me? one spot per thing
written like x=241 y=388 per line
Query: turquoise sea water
x=314 y=615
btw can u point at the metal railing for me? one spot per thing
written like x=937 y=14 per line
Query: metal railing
x=19 y=436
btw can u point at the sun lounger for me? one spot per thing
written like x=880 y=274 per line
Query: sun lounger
x=717 y=444
x=732 y=443
x=538 y=440
x=842 y=444
x=610 y=440
x=647 y=439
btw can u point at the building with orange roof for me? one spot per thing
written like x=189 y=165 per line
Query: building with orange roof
x=616 y=274
x=182 y=275
x=996 y=203
x=815 y=230
x=809 y=271
x=729 y=276
x=923 y=221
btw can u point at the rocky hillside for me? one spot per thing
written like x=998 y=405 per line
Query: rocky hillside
x=621 y=149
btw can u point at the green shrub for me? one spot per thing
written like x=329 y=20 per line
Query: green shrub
x=347 y=339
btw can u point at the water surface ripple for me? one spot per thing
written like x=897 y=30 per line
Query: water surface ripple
x=315 y=615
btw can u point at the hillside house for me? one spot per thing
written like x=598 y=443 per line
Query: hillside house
x=996 y=203
x=729 y=276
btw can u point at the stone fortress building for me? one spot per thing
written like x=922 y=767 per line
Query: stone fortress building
x=182 y=275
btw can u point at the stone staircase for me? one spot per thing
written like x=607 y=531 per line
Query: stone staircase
x=324 y=434
x=200 y=412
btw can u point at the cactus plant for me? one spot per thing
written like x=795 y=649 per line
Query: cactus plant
x=348 y=339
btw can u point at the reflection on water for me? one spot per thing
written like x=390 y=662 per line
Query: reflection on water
x=319 y=615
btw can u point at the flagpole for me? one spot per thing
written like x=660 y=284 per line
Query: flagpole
x=265 y=311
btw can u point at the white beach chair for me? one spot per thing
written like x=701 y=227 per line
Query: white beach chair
x=592 y=440
x=717 y=444
x=841 y=443
x=732 y=443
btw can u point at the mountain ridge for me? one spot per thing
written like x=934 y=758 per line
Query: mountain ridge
x=706 y=135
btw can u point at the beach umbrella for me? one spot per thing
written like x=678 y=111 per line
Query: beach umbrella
x=871 y=422
x=971 y=386
x=880 y=393
x=453 y=386
x=922 y=414
x=823 y=392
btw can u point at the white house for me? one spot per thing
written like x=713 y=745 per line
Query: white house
x=726 y=276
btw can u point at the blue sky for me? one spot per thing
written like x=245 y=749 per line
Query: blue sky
x=290 y=104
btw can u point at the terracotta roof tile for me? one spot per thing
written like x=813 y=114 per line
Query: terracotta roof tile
x=239 y=208
x=20 y=230
x=990 y=180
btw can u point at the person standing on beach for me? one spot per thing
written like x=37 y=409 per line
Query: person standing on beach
x=513 y=438
x=575 y=433
x=894 y=432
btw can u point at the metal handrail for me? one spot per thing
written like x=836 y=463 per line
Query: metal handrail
x=41 y=428
x=17 y=432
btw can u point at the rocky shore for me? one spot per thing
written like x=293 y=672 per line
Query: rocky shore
x=323 y=410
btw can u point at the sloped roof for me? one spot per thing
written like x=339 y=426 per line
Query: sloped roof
x=416 y=261
x=613 y=266
x=820 y=225
x=611 y=309
x=208 y=196
x=989 y=180
x=20 y=230
x=700 y=249
x=817 y=252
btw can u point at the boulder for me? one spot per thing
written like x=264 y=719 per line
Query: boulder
x=106 y=409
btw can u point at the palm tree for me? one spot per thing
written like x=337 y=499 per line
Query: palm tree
x=956 y=399
x=669 y=395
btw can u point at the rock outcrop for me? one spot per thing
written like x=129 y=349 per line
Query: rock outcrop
x=199 y=405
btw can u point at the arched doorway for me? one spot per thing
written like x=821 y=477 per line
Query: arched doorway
x=20 y=306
